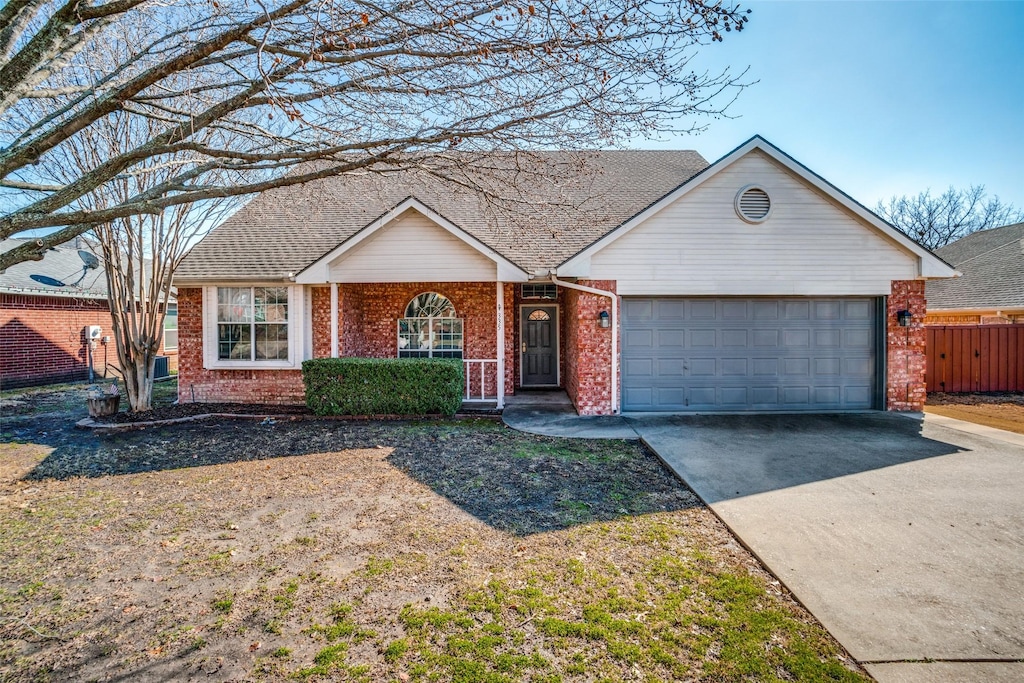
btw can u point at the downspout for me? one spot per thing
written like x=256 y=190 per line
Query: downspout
x=615 y=331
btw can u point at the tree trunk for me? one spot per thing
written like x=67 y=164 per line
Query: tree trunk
x=138 y=367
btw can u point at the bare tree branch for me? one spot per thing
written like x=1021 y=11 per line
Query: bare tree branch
x=233 y=98
x=937 y=221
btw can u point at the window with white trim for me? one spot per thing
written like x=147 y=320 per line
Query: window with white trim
x=430 y=329
x=542 y=290
x=252 y=323
x=171 y=327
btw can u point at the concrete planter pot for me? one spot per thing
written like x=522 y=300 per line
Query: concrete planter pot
x=103 y=406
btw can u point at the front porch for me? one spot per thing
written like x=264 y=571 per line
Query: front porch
x=510 y=338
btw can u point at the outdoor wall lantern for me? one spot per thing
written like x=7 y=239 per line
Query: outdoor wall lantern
x=904 y=317
x=603 y=319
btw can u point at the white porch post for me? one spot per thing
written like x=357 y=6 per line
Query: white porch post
x=334 y=320
x=501 y=345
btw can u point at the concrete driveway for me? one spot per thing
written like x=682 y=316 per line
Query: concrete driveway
x=906 y=539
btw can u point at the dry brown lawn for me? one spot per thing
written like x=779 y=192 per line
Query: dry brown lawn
x=432 y=551
x=1002 y=411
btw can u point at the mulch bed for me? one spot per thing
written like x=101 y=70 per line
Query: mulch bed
x=181 y=410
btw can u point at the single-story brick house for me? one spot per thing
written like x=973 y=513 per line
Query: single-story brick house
x=651 y=281
x=47 y=309
x=991 y=289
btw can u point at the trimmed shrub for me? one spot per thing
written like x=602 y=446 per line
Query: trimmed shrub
x=383 y=386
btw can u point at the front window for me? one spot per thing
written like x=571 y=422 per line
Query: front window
x=430 y=329
x=171 y=327
x=252 y=323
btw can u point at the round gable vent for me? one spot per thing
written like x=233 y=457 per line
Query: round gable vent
x=753 y=204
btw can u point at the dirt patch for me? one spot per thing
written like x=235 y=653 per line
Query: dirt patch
x=1002 y=411
x=327 y=550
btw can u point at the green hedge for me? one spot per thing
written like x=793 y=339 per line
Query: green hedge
x=383 y=386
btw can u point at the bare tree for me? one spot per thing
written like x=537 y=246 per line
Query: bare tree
x=937 y=221
x=348 y=84
x=140 y=251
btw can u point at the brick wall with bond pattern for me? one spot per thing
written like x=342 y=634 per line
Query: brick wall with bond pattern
x=280 y=387
x=905 y=360
x=42 y=340
x=588 y=349
x=368 y=315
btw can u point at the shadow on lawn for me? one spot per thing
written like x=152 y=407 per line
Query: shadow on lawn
x=516 y=482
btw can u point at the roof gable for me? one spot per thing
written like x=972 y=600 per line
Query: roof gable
x=929 y=264
x=400 y=248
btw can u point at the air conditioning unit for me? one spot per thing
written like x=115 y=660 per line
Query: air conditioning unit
x=93 y=332
x=160 y=369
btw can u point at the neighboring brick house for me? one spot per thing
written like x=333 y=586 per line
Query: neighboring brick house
x=637 y=281
x=991 y=288
x=43 y=326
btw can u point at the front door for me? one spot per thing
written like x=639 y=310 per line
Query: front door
x=540 y=345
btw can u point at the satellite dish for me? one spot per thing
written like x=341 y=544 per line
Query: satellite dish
x=89 y=259
x=47 y=280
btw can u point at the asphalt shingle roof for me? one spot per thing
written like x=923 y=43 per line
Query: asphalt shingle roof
x=992 y=263
x=61 y=263
x=536 y=218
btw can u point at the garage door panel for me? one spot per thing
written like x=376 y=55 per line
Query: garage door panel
x=701 y=367
x=828 y=339
x=637 y=339
x=858 y=339
x=828 y=395
x=748 y=354
x=827 y=310
x=796 y=310
x=859 y=310
x=638 y=309
x=703 y=339
x=800 y=338
x=828 y=367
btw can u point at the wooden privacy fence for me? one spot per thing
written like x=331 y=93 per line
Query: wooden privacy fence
x=966 y=358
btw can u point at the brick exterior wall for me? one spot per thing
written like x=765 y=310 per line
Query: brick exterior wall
x=367 y=316
x=905 y=387
x=370 y=312
x=321 y=307
x=587 y=377
x=282 y=387
x=42 y=340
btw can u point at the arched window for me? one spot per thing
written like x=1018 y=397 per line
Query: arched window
x=430 y=328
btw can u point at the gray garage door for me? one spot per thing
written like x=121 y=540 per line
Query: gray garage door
x=748 y=354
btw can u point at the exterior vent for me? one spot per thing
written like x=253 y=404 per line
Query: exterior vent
x=753 y=204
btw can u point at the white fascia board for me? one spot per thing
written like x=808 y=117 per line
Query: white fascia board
x=319 y=272
x=929 y=265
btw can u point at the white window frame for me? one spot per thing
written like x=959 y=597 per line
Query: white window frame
x=167 y=316
x=295 y=326
x=429 y=321
x=534 y=286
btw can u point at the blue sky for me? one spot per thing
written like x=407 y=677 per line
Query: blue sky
x=881 y=98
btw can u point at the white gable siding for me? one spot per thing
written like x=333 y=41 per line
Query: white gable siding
x=699 y=246
x=412 y=248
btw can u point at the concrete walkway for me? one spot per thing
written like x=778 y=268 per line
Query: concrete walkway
x=905 y=538
x=550 y=413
